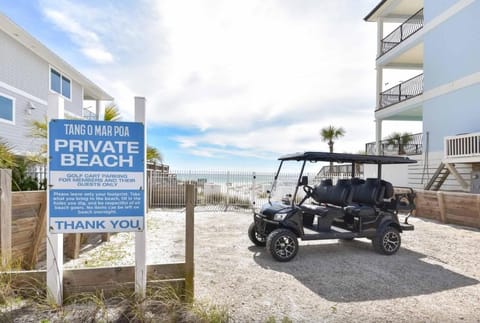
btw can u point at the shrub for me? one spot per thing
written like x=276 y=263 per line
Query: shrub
x=21 y=181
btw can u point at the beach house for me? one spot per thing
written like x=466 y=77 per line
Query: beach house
x=438 y=42
x=32 y=78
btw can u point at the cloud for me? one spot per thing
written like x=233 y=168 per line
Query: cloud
x=98 y=55
x=231 y=58
x=232 y=64
x=249 y=78
x=272 y=140
x=72 y=23
x=186 y=142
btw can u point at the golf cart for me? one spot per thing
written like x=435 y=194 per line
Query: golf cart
x=348 y=209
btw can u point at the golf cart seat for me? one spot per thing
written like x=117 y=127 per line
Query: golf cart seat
x=319 y=190
x=366 y=195
x=339 y=194
x=333 y=199
x=326 y=182
x=389 y=191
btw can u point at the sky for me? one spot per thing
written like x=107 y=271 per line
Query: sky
x=229 y=84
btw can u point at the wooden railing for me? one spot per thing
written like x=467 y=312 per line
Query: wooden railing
x=462 y=146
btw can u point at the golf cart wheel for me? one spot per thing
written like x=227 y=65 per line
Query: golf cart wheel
x=282 y=244
x=257 y=238
x=387 y=241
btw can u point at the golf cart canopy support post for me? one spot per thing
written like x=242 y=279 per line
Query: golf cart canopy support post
x=298 y=183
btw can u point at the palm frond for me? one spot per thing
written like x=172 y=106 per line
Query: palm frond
x=7 y=158
x=112 y=113
x=39 y=128
x=154 y=155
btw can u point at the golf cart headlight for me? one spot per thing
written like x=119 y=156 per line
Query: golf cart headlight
x=279 y=216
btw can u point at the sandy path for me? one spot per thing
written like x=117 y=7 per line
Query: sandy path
x=433 y=278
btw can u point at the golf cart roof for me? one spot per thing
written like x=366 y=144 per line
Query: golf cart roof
x=347 y=158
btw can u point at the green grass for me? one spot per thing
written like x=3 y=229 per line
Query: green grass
x=109 y=252
x=272 y=319
x=161 y=304
x=224 y=199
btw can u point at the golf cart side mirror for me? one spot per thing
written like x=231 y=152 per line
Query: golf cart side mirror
x=304 y=180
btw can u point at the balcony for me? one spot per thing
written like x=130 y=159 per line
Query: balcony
x=339 y=171
x=412 y=145
x=405 y=30
x=462 y=148
x=401 y=92
x=88 y=115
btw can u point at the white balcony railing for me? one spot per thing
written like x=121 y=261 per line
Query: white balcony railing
x=88 y=115
x=463 y=146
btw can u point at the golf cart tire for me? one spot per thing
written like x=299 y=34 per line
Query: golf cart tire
x=255 y=237
x=282 y=244
x=387 y=241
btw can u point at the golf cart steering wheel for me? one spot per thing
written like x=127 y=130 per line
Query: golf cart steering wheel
x=308 y=190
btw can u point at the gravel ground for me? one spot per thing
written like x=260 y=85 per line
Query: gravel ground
x=433 y=278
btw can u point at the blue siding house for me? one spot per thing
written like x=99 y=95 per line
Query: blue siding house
x=439 y=42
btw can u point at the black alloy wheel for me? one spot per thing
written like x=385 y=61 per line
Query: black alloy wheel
x=388 y=241
x=257 y=238
x=282 y=244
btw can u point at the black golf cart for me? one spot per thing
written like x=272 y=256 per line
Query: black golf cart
x=350 y=208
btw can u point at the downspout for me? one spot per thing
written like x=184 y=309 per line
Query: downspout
x=379 y=79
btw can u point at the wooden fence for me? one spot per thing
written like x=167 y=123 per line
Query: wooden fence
x=85 y=280
x=108 y=280
x=449 y=207
x=28 y=227
x=23 y=224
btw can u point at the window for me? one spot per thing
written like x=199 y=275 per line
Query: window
x=60 y=84
x=55 y=84
x=65 y=87
x=7 y=109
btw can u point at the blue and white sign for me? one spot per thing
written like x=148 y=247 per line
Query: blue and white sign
x=96 y=176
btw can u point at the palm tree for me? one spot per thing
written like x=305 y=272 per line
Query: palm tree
x=153 y=155
x=39 y=129
x=399 y=140
x=112 y=113
x=331 y=133
x=7 y=158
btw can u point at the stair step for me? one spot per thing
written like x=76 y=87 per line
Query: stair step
x=438 y=178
